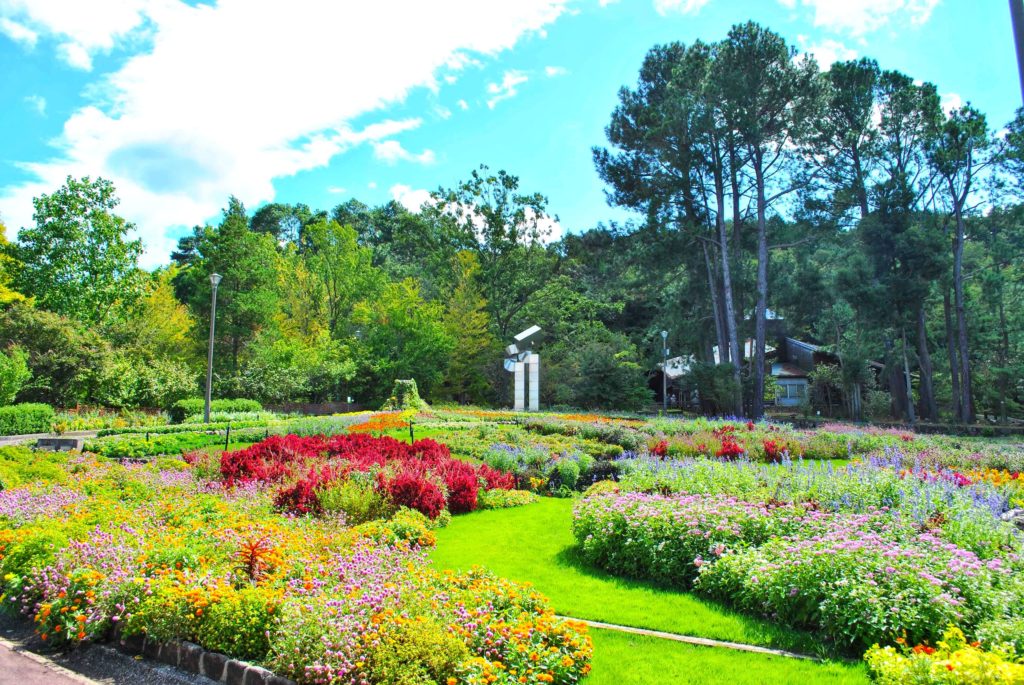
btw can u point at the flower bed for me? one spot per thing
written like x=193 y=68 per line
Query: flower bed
x=158 y=550
x=421 y=476
x=853 y=578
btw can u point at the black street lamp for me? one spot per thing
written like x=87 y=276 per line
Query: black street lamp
x=214 y=281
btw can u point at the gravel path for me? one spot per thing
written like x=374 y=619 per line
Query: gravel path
x=25 y=660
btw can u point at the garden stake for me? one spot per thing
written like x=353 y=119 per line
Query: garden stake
x=227 y=437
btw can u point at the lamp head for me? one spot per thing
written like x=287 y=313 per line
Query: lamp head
x=215 y=279
x=664 y=335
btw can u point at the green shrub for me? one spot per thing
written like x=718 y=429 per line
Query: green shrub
x=405 y=395
x=602 y=487
x=239 y=623
x=183 y=409
x=29 y=417
x=504 y=499
x=139 y=447
x=20 y=465
x=356 y=498
x=14 y=373
x=568 y=473
x=408 y=525
x=416 y=650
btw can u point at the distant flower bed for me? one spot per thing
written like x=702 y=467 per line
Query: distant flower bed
x=162 y=551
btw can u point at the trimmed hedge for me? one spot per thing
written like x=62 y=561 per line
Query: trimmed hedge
x=182 y=409
x=186 y=428
x=29 y=417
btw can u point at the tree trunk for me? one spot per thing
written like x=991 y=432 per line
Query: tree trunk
x=897 y=387
x=735 y=354
x=862 y=192
x=1004 y=360
x=760 y=315
x=954 y=362
x=929 y=409
x=966 y=400
x=716 y=307
x=911 y=417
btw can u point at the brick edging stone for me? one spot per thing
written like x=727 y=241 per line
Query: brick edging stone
x=192 y=658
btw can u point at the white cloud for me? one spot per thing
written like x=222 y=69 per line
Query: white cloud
x=391 y=151
x=37 y=103
x=443 y=112
x=826 y=52
x=411 y=199
x=193 y=117
x=19 y=33
x=509 y=87
x=859 y=17
x=82 y=28
x=76 y=56
x=336 y=190
x=551 y=72
x=951 y=102
x=372 y=185
x=665 y=7
x=463 y=105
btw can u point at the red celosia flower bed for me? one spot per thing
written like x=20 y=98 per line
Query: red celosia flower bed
x=422 y=476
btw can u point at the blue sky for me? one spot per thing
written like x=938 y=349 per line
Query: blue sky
x=182 y=104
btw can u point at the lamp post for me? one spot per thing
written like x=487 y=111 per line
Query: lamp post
x=664 y=370
x=1017 y=20
x=214 y=281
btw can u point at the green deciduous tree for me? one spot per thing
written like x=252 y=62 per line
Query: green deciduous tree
x=77 y=260
x=402 y=336
x=14 y=373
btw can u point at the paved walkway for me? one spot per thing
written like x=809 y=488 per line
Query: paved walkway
x=32 y=437
x=692 y=640
x=25 y=668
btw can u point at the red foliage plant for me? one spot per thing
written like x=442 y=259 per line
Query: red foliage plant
x=730 y=449
x=772 y=451
x=414 y=490
x=423 y=475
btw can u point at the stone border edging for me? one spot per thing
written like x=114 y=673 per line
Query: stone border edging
x=192 y=658
x=691 y=640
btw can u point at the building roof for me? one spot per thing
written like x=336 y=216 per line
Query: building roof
x=787 y=370
x=800 y=343
x=748 y=350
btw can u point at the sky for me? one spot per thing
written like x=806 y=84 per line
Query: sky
x=183 y=104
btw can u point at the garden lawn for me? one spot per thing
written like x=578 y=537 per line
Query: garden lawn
x=534 y=544
x=623 y=659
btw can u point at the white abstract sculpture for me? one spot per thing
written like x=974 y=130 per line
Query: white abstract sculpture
x=526 y=367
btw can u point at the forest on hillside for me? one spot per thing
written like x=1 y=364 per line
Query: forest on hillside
x=846 y=200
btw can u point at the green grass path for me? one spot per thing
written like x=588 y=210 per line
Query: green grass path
x=535 y=544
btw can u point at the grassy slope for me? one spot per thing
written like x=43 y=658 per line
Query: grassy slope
x=535 y=544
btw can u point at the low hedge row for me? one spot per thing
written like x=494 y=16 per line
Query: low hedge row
x=185 y=428
x=183 y=409
x=29 y=417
